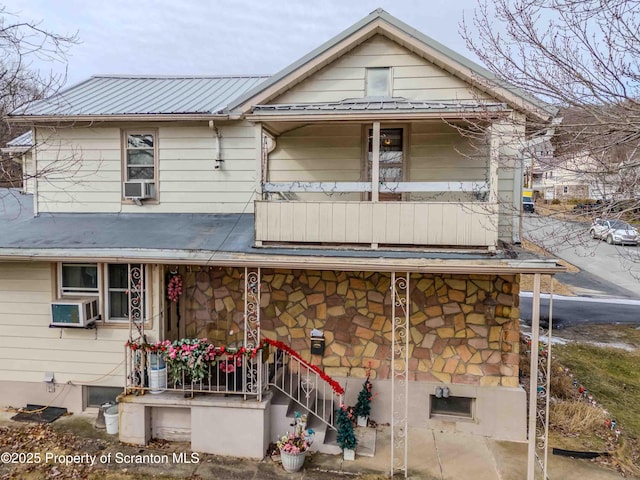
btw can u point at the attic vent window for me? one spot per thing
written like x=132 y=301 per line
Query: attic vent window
x=379 y=82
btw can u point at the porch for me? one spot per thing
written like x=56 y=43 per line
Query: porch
x=420 y=183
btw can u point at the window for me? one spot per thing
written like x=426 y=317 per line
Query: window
x=117 y=291
x=79 y=279
x=565 y=189
x=112 y=287
x=140 y=157
x=452 y=406
x=378 y=82
x=97 y=396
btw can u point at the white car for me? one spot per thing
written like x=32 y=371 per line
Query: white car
x=614 y=231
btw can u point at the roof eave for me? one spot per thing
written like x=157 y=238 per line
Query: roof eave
x=143 y=117
x=371 y=116
x=232 y=259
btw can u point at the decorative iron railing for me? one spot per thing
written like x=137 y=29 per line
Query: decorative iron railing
x=228 y=374
x=247 y=372
x=304 y=383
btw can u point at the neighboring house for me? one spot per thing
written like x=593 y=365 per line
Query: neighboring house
x=18 y=150
x=338 y=194
x=585 y=175
x=589 y=159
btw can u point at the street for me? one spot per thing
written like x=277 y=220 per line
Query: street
x=569 y=311
x=614 y=264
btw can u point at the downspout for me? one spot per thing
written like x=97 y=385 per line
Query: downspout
x=218 y=160
x=34 y=150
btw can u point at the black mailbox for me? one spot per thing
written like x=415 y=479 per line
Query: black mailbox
x=317 y=345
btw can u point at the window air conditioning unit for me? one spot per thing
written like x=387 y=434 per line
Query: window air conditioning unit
x=138 y=190
x=74 y=312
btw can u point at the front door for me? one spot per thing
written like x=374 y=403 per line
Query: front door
x=391 y=160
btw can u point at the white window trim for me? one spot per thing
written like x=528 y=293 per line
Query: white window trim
x=106 y=290
x=156 y=157
x=78 y=293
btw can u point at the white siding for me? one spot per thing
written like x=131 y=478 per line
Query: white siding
x=413 y=223
x=320 y=153
x=438 y=152
x=29 y=348
x=413 y=77
x=82 y=170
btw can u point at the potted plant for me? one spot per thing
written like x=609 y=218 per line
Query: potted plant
x=346 y=436
x=293 y=450
x=363 y=406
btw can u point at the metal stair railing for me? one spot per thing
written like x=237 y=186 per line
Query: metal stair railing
x=302 y=383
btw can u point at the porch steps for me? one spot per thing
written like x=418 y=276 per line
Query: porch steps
x=284 y=408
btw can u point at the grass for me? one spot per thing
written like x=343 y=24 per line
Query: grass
x=612 y=376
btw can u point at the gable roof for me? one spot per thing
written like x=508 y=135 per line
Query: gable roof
x=381 y=22
x=118 y=97
x=107 y=95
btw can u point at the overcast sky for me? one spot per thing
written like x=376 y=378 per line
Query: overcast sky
x=199 y=37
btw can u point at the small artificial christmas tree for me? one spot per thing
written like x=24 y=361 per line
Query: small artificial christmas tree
x=363 y=405
x=346 y=436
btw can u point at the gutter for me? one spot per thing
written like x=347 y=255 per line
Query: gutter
x=158 y=117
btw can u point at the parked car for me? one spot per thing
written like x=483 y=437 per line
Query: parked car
x=528 y=205
x=614 y=231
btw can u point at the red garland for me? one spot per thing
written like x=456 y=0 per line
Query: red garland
x=281 y=346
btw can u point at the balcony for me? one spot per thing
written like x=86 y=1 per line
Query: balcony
x=472 y=222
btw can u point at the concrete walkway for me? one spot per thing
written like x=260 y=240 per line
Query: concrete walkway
x=433 y=455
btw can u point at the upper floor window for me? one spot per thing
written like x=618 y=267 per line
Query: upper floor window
x=378 y=82
x=140 y=162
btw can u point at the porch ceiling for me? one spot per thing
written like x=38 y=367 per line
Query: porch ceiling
x=212 y=239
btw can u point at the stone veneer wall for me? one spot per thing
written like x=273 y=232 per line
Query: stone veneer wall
x=451 y=341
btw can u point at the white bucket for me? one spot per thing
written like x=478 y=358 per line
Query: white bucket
x=111 y=419
x=157 y=373
x=157 y=380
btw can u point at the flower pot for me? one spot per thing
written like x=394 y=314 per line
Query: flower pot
x=363 y=421
x=292 y=462
x=348 y=454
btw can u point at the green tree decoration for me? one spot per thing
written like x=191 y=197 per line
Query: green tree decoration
x=363 y=405
x=346 y=436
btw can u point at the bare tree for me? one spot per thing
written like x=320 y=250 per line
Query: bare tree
x=24 y=46
x=582 y=56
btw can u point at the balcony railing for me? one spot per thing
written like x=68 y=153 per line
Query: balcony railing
x=469 y=221
x=229 y=374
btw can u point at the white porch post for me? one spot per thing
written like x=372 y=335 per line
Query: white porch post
x=400 y=313
x=375 y=161
x=533 y=380
x=259 y=146
x=252 y=333
x=494 y=155
x=545 y=460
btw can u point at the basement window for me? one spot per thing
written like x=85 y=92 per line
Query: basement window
x=452 y=406
x=95 y=396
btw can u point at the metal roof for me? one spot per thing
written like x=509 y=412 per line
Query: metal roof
x=202 y=239
x=24 y=140
x=379 y=103
x=131 y=95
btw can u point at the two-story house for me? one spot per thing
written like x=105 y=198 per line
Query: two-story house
x=369 y=191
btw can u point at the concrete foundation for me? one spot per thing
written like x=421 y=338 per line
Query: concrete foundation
x=214 y=424
x=498 y=412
